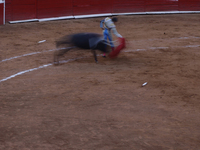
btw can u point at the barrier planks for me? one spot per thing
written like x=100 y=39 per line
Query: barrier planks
x=20 y=9
x=123 y=6
x=85 y=7
x=1 y=13
x=189 y=5
x=39 y=9
x=161 y=5
x=52 y=8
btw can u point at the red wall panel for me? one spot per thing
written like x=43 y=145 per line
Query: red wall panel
x=23 y=12
x=161 y=2
x=85 y=7
x=189 y=5
x=53 y=12
x=23 y=2
x=8 y=10
x=52 y=8
x=161 y=5
x=32 y=9
x=85 y=10
x=20 y=10
x=121 y=6
x=1 y=13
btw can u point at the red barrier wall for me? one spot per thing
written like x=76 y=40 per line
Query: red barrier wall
x=52 y=8
x=8 y=10
x=23 y=9
x=189 y=5
x=120 y=6
x=1 y=13
x=161 y=5
x=83 y=7
x=32 y=9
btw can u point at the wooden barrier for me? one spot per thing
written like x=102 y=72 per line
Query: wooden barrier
x=2 y=21
x=42 y=9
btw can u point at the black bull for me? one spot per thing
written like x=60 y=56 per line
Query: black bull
x=91 y=41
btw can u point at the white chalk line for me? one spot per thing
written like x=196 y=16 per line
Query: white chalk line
x=155 y=48
x=66 y=61
x=29 y=54
x=40 y=67
x=22 y=72
x=182 y=38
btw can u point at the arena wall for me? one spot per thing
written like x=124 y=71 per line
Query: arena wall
x=2 y=17
x=31 y=10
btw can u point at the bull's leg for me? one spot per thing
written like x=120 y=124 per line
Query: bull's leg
x=95 y=55
x=60 y=53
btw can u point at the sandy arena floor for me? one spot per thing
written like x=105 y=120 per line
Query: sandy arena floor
x=81 y=105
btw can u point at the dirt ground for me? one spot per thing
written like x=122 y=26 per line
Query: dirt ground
x=81 y=105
